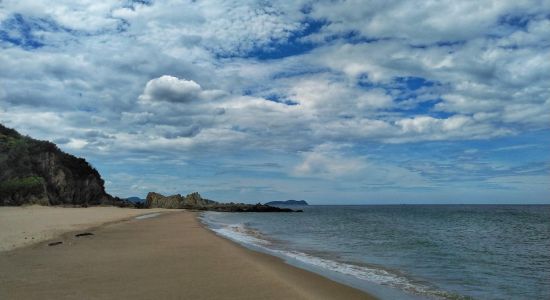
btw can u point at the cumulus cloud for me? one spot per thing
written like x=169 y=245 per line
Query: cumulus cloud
x=171 y=89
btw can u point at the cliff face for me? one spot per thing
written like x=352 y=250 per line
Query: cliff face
x=37 y=172
x=195 y=199
x=155 y=200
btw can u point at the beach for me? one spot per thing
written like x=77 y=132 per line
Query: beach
x=167 y=256
x=26 y=225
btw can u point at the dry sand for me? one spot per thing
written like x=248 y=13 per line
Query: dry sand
x=25 y=225
x=166 y=257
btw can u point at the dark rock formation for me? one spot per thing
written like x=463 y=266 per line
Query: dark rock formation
x=83 y=234
x=241 y=207
x=195 y=201
x=37 y=172
x=155 y=200
x=287 y=202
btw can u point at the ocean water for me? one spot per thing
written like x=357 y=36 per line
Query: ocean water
x=409 y=251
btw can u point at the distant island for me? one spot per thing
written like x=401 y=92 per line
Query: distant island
x=38 y=172
x=287 y=202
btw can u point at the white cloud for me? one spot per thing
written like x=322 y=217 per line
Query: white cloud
x=455 y=127
x=228 y=28
x=421 y=22
x=171 y=89
x=323 y=95
x=324 y=161
x=77 y=143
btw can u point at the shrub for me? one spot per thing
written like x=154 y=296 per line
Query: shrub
x=27 y=185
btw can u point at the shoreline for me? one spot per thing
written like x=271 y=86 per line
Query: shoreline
x=145 y=258
x=280 y=261
x=373 y=289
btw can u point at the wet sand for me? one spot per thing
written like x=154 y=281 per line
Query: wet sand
x=170 y=256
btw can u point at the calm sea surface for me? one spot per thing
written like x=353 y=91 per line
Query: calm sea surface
x=409 y=251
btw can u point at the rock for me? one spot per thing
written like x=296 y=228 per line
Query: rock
x=241 y=207
x=156 y=200
x=83 y=234
x=195 y=201
x=37 y=172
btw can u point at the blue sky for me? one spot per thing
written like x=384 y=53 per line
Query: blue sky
x=335 y=102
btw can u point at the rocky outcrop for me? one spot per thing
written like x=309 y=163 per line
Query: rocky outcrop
x=241 y=207
x=155 y=200
x=37 y=172
x=195 y=201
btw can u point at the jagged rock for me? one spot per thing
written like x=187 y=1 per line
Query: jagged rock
x=156 y=200
x=193 y=200
x=37 y=172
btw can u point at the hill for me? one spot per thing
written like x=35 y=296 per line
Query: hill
x=135 y=199
x=38 y=172
x=288 y=202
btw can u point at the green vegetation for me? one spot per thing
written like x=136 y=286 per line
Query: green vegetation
x=32 y=185
x=34 y=171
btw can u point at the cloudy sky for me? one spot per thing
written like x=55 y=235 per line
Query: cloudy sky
x=329 y=101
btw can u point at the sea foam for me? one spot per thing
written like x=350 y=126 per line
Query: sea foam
x=242 y=234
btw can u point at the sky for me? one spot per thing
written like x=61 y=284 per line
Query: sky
x=334 y=102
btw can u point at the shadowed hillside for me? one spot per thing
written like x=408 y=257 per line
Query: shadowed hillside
x=37 y=172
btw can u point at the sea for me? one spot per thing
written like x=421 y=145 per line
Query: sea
x=408 y=251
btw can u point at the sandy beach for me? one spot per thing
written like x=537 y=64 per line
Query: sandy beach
x=26 y=225
x=170 y=256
